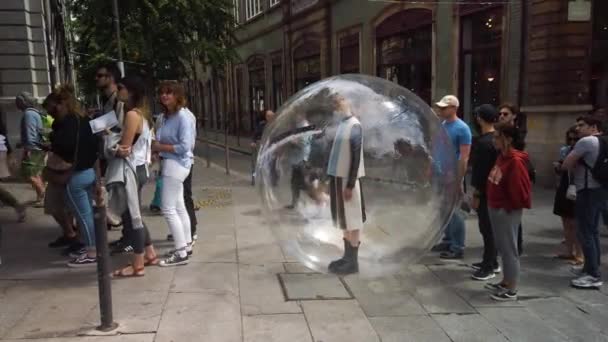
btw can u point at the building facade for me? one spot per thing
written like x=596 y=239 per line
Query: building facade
x=33 y=52
x=546 y=56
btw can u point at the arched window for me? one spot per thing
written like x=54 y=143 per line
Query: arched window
x=307 y=64
x=404 y=44
x=480 y=55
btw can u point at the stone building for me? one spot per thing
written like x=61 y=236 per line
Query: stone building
x=33 y=52
x=547 y=56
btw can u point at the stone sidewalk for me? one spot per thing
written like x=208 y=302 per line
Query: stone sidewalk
x=240 y=286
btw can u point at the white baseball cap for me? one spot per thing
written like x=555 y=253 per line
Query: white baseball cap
x=447 y=101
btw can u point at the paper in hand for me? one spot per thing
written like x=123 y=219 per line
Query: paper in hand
x=104 y=122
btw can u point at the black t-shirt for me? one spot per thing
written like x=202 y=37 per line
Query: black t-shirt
x=483 y=157
x=63 y=141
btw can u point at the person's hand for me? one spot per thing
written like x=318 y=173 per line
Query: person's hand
x=348 y=194
x=475 y=202
x=123 y=151
x=253 y=144
x=99 y=193
x=155 y=146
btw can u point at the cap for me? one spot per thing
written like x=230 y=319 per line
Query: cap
x=487 y=113
x=447 y=101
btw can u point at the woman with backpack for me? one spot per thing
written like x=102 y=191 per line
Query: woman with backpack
x=31 y=138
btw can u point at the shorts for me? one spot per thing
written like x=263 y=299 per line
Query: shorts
x=55 y=200
x=33 y=165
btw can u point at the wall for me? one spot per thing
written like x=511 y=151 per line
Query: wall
x=23 y=58
x=555 y=78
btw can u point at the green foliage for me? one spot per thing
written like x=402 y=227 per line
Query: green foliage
x=163 y=38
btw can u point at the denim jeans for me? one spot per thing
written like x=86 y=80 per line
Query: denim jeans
x=79 y=193
x=588 y=208
x=455 y=232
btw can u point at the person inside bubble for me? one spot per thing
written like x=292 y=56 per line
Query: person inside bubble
x=344 y=169
x=298 y=153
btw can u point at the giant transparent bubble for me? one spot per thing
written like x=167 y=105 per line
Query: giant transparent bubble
x=409 y=189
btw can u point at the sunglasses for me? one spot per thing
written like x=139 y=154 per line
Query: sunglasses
x=504 y=113
x=101 y=75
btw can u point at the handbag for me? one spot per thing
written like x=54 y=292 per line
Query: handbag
x=571 y=191
x=58 y=171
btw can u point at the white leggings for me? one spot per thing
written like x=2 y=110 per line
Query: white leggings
x=174 y=211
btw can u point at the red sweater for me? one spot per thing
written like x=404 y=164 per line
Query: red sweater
x=509 y=184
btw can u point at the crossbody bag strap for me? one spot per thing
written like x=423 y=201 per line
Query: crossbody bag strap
x=77 y=142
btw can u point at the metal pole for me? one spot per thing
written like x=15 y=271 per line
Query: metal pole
x=116 y=19
x=227 y=148
x=103 y=269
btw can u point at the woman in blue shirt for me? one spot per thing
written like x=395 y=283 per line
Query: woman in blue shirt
x=175 y=144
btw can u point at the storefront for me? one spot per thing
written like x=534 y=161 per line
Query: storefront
x=404 y=43
x=480 y=55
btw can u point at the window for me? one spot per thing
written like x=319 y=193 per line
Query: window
x=274 y=2
x=349 y=54
x=253 y=8
x=307 y=64
x=404 y=51
x=277 y=82
x=257 y=87
x=481 y=42
x=236 y=10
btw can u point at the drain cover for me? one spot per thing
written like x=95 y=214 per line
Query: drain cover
x=313 y=286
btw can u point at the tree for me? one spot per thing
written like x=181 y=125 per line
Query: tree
x=161 y=39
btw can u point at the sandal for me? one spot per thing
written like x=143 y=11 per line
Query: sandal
x=136 y=272
x=152 y=261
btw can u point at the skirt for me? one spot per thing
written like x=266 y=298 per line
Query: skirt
x=346 y=215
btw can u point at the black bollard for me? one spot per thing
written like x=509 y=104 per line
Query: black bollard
x=103 y=270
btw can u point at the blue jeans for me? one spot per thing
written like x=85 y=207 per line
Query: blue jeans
x=455 y=232
x=79 y=193
x=588 y=208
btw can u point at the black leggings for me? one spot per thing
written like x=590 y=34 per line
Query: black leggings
x=139 y=238
x=189 y=202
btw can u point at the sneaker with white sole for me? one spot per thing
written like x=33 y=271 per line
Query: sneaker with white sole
x=483 y=274
x=577 y=271
x=505 y=296
x=78 y=253
x=83 y=261
x=586 y=282
x=495 y=287
x=173 y=260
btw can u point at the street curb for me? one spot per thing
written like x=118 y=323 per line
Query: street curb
x=218 y=144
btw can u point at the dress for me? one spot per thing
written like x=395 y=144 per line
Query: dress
x=562 y=206
x=345 y=167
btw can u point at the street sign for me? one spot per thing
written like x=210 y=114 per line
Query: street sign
x=579 y=10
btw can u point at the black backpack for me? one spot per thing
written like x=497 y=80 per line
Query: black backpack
x=599 y=171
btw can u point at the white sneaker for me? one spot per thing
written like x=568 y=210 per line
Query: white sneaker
x=586 y=282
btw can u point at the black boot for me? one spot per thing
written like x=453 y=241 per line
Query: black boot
x=350 y=262
x=336 y=263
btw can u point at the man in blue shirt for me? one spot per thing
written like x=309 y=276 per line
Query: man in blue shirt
x=452 y=245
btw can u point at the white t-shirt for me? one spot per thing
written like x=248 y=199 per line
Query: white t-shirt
x=588 y=148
